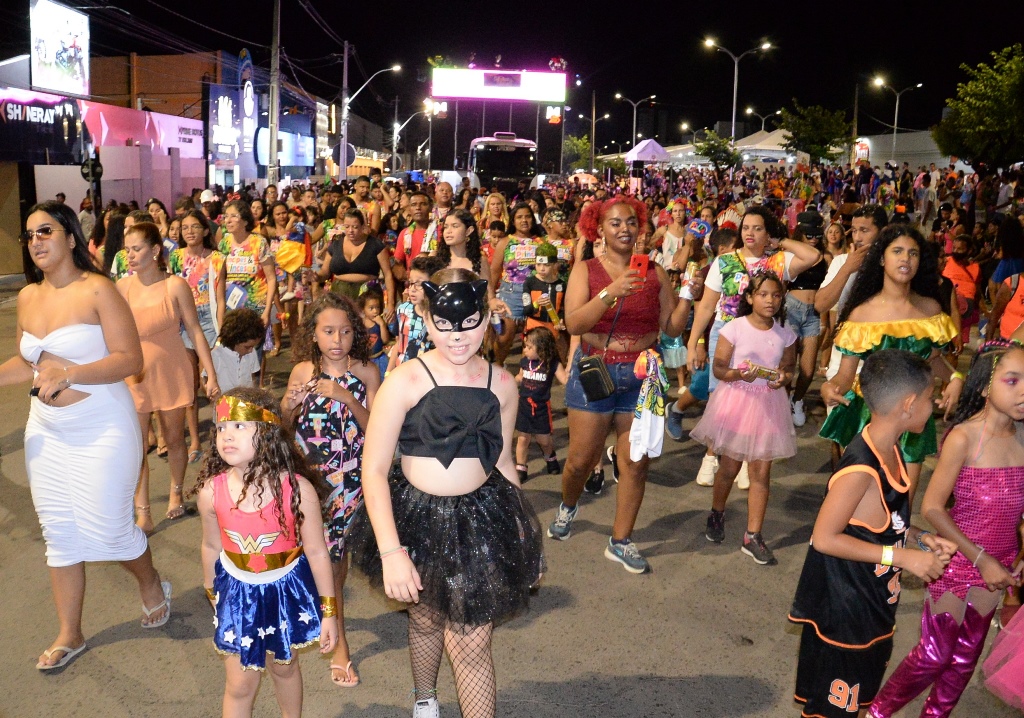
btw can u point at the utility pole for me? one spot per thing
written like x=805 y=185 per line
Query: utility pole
x=455 y=159
x=856 y=102
x=273 y=176
x=394 y=142
x=561 y=146
x=593 y=125
x=344 y=113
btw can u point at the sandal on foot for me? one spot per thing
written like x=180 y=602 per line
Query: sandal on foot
x=353 y=679
x=178 y=511
x=166 y=587
x=69 y=655
x=195 y=456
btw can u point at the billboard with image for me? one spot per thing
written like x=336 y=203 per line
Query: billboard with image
x=498 y=85
x=59 y=56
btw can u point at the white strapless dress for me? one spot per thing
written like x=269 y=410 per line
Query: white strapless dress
x=83 y=460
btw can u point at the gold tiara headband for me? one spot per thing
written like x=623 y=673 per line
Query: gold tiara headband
x=231 y=408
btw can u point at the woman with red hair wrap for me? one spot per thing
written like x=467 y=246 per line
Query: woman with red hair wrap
x=618 y=314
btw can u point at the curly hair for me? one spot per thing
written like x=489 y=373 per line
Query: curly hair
x=973 y=396
x=241 y=325
x=594 y=213
x=544 y=340
x=309 y=350
x=775 y=228
x=276 y=455
x=473 y=251
x=757 y=279
x=871 y=276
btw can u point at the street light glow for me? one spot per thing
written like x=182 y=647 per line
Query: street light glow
x=685 y=126
x=396 y=68
x=920 y=84
x=618 y=95
x=879 y=81
x=709 y=42
x=750 y=110
x=766 y=46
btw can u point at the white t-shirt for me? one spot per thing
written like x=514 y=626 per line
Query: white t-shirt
x=714 y=278
x=233 y=370
x=833 y=272
x=670 y=244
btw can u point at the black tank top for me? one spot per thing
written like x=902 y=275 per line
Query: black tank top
x=853 y=604
x=454 y=422
x=811 y=278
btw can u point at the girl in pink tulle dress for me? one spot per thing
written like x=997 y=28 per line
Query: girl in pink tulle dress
x=748 y=416
x=982 y=466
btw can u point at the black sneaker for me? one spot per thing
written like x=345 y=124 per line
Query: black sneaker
x=522 y=474
x=754 y=546
x=613 y=459
x=595 y=482
x=553 y=467
x=715 y=532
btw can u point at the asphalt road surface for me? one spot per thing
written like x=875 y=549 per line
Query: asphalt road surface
x=703 y=635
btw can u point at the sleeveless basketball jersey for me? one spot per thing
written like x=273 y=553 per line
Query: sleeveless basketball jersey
x=852 y=604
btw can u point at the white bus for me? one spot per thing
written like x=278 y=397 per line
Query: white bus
x=503 y=160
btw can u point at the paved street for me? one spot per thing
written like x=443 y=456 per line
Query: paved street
x=704 y=635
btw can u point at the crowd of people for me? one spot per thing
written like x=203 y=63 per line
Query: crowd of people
x=401 y=442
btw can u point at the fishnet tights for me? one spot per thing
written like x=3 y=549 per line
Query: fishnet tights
x=469 y=649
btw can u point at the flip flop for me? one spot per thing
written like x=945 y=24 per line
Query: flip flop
x=166 y=587
x=69 y=655
x=195 y=456
x=351 y=682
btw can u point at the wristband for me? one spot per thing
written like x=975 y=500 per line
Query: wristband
x=956 y=375
x=328 y=606
x=403 y=549
x=887 y=552
x=701 y=340
x=920 y=544
x=981 y=552
x=210 y=594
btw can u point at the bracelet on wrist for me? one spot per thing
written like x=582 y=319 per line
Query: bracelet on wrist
x=701 y=340
x=956 y=375
x=328 y=606
x=887 y=555
x=403 y=549
x=981 y=552
x=920 y=543
x=211 y=595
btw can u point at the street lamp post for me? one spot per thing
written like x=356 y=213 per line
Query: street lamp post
x=710 y=42
x=346 y=101
x=880 y=82
x=750 y=111
x=394 y=137
x=620 y=96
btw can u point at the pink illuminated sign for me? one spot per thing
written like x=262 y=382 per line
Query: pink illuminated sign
x=498 y=85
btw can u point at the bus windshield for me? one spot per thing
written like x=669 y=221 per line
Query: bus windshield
x=504 y=161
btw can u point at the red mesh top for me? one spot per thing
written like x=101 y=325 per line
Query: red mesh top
x=640 y=313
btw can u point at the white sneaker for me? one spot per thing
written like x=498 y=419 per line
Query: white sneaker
x=708 y=468
x=799 y=416
x=426 y=708
x=287 y=296
x=743 y=478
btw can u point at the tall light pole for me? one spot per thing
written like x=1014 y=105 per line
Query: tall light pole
x=620 y=96
x=880 y=82
x=710 y=42
x=394 y=136
x=346 y=101
x=750 y=111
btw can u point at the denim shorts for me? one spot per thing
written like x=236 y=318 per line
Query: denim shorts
x=802 y=318
x=512 y=295
x=622 y=401
x=206 y=322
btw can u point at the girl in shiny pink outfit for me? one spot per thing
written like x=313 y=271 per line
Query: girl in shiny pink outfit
x=982 y=466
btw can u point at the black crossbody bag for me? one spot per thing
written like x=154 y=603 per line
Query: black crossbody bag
x=594 y=377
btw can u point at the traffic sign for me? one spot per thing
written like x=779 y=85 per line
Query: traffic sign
x=92 y=170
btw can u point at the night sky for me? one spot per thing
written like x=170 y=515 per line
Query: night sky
x=823 y=50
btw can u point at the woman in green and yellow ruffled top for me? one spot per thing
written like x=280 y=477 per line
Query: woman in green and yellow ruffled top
x=894 y=304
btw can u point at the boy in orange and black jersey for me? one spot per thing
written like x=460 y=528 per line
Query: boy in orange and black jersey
x=543 y=295
x=850 y=585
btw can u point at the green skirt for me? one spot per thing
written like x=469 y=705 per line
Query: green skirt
x=845 y=422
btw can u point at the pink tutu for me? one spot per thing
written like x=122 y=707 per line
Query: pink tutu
x=747 y=422
x=1004 y=668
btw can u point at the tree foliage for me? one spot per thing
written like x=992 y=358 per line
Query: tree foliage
x=719 y=151
x=577 y=152
x=618 y=165
x=822 y=134
x=985 y=120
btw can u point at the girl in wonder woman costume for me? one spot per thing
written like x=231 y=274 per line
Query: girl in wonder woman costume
x=265 y=563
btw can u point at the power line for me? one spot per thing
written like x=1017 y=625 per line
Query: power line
x=207 y=27
x=320 y=22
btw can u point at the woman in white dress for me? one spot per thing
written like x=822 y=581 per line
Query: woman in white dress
x=83 y=445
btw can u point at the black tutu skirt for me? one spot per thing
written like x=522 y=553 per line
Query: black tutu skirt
x=477 y=554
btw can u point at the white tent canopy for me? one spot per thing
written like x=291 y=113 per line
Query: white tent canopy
x=763 y=141
x=648 y=151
